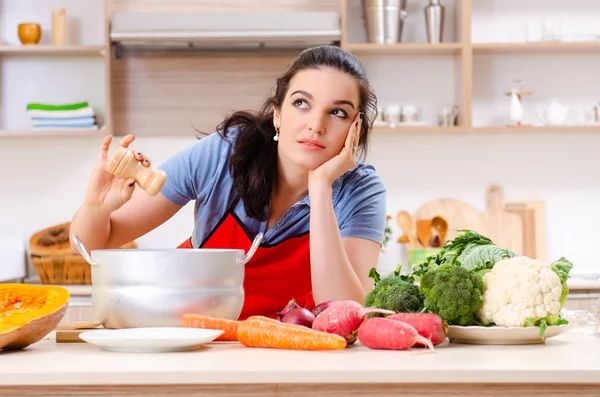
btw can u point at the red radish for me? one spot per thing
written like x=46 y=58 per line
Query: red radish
x=428 y=325
x=298 y=315
x=381 y=333
x=291 y=305
x=321 y=306
x=343 y=318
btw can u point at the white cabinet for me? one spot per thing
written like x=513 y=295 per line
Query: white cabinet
x=583 y=301
x=79 y=310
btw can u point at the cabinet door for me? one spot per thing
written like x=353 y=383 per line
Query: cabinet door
x=589 y=302
x=79 y=311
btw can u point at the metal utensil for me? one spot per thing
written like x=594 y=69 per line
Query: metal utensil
x=384 y=20
x=134 y=288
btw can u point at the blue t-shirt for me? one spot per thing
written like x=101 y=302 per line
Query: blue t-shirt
x=200 y=172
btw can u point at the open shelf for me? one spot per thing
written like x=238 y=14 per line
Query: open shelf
x=541 y=47
x=74 y=132
x=542 y=129
x=417 y=129
x=405 y=48
x=53 y=50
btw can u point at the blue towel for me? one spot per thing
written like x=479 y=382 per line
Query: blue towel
x=67 y=121
x=59 y=125
x=65 y=127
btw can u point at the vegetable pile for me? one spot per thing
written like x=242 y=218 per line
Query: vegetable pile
x=336 y=325
x=471 y=281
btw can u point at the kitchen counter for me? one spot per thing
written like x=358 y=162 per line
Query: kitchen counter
x=565 y=363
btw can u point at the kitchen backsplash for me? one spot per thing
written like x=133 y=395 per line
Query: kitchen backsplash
x=44 y=181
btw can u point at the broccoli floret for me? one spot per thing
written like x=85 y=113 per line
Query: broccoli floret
x=394 y=293
x=454 y=293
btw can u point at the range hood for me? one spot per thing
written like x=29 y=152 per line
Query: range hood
x=225 y=30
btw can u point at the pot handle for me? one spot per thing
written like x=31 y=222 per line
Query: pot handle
x=252 y=250
x=83 y=251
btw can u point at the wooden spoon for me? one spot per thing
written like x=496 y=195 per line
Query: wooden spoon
x=403 y=239
x=441 y=226
x=405 y=222
x=424 y=231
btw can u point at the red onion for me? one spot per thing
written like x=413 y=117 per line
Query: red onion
x=291 y=305
x=300 y=316
x=321 y=306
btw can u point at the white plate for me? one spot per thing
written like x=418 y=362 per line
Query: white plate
x=502 y=335
x=151 y=340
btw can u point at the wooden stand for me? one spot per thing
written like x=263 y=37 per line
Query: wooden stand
x=124 y=164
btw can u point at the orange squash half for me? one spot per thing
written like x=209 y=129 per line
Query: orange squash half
x=29 y=312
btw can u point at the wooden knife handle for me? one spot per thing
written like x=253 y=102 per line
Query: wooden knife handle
x=124 y=164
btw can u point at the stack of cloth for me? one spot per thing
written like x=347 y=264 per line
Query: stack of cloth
x=51 y=117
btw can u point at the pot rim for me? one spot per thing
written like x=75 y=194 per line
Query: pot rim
x=167 y=250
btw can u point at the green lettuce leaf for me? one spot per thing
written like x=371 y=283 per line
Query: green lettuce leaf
x=470 y=250
x=543 y=323
x=562 y=267
x=475 y=257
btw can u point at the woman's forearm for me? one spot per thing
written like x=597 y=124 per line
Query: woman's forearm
x=92 y=227
x=333 y=277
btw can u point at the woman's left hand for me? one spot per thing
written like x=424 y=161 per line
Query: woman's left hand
x=332 y=169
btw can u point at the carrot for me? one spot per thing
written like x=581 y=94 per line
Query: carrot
x=192 y=320
x=259 y=331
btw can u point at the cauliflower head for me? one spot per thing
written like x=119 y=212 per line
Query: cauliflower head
x=520 y=291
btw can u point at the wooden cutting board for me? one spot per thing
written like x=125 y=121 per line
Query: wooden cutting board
x=504 y=228
x=458 y=214
x=69 y=333
x=534 y=226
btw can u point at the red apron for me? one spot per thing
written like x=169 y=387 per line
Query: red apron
x=274 y=275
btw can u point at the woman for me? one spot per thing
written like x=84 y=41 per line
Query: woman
x=287 y=170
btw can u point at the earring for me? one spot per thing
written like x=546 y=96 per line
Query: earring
x=276 y=136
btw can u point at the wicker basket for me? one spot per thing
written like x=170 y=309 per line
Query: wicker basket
x=55 y=262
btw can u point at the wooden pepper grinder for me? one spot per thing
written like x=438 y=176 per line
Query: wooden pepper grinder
x=124 y=164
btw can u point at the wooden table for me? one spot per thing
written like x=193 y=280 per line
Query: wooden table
x=567 y=365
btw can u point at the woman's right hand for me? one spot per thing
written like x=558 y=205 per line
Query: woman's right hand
x=107 y=192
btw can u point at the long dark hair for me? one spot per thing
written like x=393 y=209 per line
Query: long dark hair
x=253 y=163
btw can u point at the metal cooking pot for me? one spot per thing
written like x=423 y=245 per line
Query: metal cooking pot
x=133 y=288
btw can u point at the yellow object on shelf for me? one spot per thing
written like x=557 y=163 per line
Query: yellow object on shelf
x=59 y=26
x=29 y=33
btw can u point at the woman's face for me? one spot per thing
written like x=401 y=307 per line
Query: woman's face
x=315 y=116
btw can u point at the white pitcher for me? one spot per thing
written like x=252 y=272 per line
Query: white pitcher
x=553 y=113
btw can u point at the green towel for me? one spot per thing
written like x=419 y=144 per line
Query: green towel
x=72 y=106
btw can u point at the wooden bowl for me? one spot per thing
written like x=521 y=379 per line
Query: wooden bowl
x=30 y=33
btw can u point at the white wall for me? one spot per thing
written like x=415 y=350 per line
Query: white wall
x=44 y=179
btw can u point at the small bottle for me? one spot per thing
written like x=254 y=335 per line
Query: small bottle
x=124 y=164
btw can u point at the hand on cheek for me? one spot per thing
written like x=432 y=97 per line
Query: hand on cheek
x=332 y=169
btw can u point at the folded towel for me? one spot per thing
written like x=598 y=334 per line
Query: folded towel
x=87 y=111
x=63 y=121
x=85 y=118
x=70 y=127
x=68 y=106
x=62 y=125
